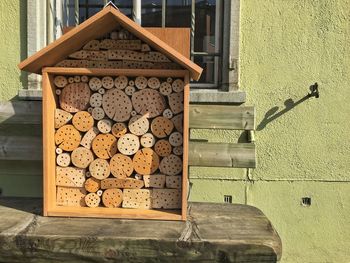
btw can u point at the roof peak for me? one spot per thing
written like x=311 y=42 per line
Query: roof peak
x=110 y=3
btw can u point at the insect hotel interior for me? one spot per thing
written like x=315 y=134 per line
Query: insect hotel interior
x=115 y=121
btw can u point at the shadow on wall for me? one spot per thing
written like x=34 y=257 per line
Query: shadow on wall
x=289 y=104
x=23 y=40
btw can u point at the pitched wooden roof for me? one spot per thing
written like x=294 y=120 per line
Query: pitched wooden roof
x=95 y=27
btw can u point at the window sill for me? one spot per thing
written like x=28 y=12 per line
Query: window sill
x=196 y=96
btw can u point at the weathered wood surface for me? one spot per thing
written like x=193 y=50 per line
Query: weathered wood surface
x=222 y=117
x=213 y=233
x=240 y=155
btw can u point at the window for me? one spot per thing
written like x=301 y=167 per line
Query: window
x=206 y=27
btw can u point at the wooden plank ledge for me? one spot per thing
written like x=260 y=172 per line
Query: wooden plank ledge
x=212 y=233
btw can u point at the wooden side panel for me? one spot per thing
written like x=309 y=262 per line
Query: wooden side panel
x=240 y=155
x=222 y=117
x=177 y=38
x=49 y=106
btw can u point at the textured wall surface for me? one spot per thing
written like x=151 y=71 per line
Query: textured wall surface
x=303 y=148
x=12 y=47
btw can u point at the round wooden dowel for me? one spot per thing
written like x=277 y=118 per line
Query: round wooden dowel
x=178 y=85
x=92 y=200
x=104 y=146
x=104 y=125
x=167 y=113
x=83 y=121
x=95 y=84
x=148 y=102
x=99 y=192
x=171 y=165
x=88 y=137
x=161 y=127
x=169 y=80
x=121 y=82
x=163 y=148
x=147 y=140
x=138 y=125
x=98 y=113
x=96 y=100
x=129 y=90
x=82 y=157
x=90 y=109
x=175 y=139
x=133 y=113
x=99 y=169
x=63 y=159
x=112 y=198
x=59 y=150
x=58 y=92
x=92 y=185
x=60 y=81
x=141 y=82
x=117 y=105
x=119 y=129
x=61 y=118
x=153 y=83
x=101 y=91
x=178 y=150
x=131 y=83
x=178 y=122
x=165 y=89
x=128 y=144
x=176 y=102
x=84 y=79
x=146 y=161
x=107 y=82
x=121 y=166
x=77 y=79
x=75 y=97
x=70 y=80
x=67 y=138
x=138 y=176
x=87 y=174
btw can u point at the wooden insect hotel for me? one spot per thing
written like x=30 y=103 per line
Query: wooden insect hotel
x=115 y=121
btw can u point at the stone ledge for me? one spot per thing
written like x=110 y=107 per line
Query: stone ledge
x=196 y=96
x=213 y=233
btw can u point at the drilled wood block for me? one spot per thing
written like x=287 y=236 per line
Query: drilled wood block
x=92 y=185
x=178 y=85
x=96 y=100
x=60 y=81
x=146 y=161
x=120 y=44
x=176 y=102
x=63 y=159
x=178 y=122
x=121 y=82
x=173 y=181
x=75 y=97
x=69 y=196
x=154 y=180
x=61 y=118
x=83 y=121
x=125 y=55
x=161 y=127
x=88 y=137
x=147 y=140
x=104 y=146
x=163 y=148
x=153 y=56
x=82 y=157
x=92 y=45
x=112 y=198
x=107 y=82
x=166 y=198
x=138 y=125
x=128 y=183
x=137 y=198
x=67 y=138
x=121 y=166
x=165 y=89
x=70 y=176
x=128 y=144
x=153 y=83
x=141 y=82
x=171 y=165
x=99 y=169
x=92 y=200
x=148 y=102
x=119 y=129
x=117 y=105
x=175 y=139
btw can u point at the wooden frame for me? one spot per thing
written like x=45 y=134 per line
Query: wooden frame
x=49 y=105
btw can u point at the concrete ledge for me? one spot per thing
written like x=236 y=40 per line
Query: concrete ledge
x=213 y=233
x=196 y=96
x=217 y=96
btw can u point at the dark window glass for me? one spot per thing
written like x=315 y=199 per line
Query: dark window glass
x=178 y=14
x=208 y=65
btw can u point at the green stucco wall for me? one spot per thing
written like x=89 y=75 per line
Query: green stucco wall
x=303 y=149
x=12 y=47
